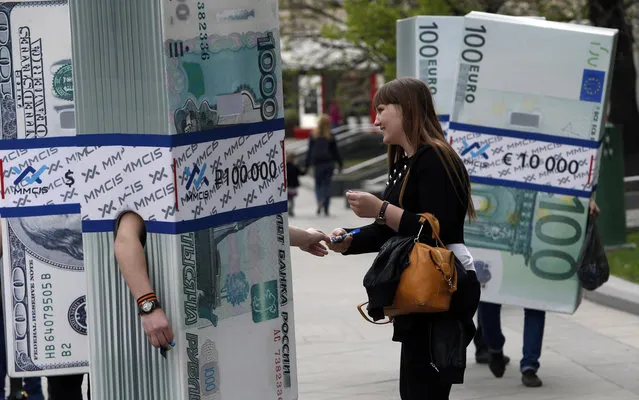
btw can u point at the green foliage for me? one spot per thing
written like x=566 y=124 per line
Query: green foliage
x=624 y=263
x=553 y=10
x=289 y=84
x=291 y=117
x=291 y=120
x=370 y=25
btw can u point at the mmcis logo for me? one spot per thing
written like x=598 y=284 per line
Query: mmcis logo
x=30 y=176
x=196 y=179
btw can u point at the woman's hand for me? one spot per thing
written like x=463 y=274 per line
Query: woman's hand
x=342 y=246
x=363 y=204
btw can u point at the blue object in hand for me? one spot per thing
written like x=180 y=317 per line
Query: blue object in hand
x=340 y=239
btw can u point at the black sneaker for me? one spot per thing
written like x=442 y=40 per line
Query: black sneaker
x=497 y=364
x=530 y=379
x=483 y=357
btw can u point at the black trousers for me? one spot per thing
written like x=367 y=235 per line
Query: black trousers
x=478 y=339
x=66 y=387
x=418 y=380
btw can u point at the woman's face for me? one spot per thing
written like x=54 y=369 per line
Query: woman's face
x=389 y=120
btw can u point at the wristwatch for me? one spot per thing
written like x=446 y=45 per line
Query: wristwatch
x=381 y=218
x=147 y=306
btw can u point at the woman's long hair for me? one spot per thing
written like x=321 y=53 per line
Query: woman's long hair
x=422 y=127
x=323 y=128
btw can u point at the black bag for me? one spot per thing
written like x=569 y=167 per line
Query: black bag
x=593 y=270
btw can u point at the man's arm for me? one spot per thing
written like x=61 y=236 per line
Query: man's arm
x=308 y=240
x=129 y=254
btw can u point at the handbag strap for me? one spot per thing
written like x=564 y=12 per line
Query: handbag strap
x=432 y=220
x=434 y=225
x=359 y=308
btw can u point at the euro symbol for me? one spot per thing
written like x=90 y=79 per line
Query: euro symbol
x=507 y=158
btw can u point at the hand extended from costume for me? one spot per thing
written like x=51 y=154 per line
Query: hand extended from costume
x=312 y=242
x=363 y=204
x=593 y=209
x=157 y=328
x=341 y=246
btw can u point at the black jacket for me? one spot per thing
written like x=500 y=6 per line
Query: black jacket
x=293 y=173
x=429 y=189
x=322 y=151
x=382 y=278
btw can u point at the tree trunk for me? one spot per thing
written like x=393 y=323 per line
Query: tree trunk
x=624 y=111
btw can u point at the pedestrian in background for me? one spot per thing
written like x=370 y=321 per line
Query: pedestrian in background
x=293 y=172
x=322 y=155
x=335 y=114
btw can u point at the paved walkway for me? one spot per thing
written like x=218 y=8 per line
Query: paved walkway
x=593 y=354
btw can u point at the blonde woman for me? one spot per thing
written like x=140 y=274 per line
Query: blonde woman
x=322 y=155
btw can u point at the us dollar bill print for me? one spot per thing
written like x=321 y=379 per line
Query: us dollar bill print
x=43 y=270
x=47 y=328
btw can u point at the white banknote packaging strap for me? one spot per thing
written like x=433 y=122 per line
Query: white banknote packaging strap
x=175 y=183
x=540 y=162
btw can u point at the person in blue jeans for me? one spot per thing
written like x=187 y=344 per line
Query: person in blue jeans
x=322 y=155
x=534 y=322
x=489 y=315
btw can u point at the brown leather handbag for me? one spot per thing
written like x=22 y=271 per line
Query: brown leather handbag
x=428 y=282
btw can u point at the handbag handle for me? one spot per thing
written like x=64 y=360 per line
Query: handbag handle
x=434 y=225
x=432 y=220
x=359 y=308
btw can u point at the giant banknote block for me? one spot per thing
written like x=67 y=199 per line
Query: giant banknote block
x=181 y=117
x=44 y=283
x=528 y=115
x=428 y=49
